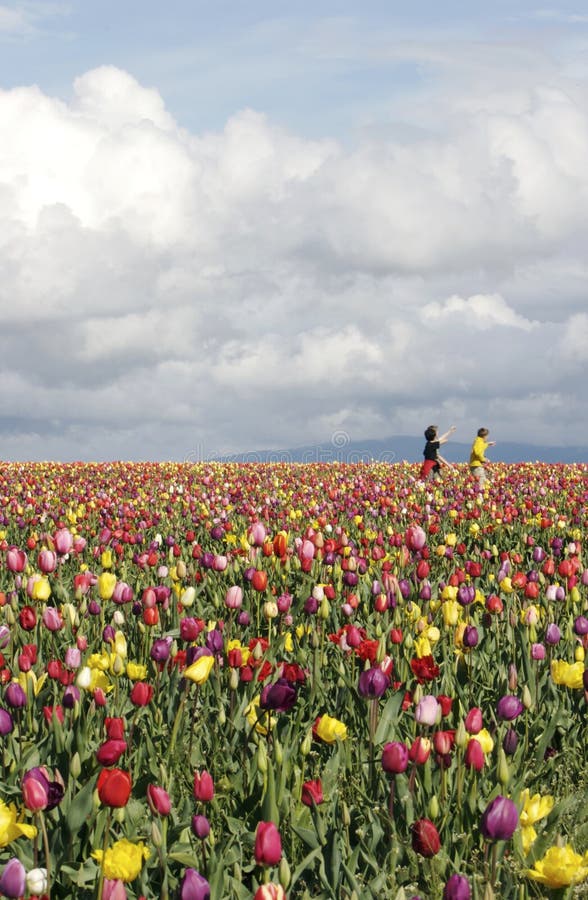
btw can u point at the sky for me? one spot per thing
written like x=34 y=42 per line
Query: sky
x=235 y=226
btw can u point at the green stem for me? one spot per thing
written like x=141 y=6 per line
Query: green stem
x=46 y=850
x=105 y=840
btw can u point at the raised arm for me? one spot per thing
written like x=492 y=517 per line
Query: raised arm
x=445 y=437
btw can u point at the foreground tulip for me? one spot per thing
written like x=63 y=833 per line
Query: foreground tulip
x=278 y=697
x=113 y=889
x=37 y=881
x=110 y=752
x=194 y=886
x=395 y=757
x=200 y=670
x=10 y=827
x=6 y=722
x=200 y=827
x=268 y=845
x=270 y=892
x=509 y=708
x=114 y=787
x=122 y=861
x=330 y=730
x=203 y=786
x=13 y=879
x=158 y=800
x=457 y=888
x=499 y=820
x=373 y=683
x=40 y=790
x=427 y=710
x=425 y=838
x=560 y=867
x=312 y=793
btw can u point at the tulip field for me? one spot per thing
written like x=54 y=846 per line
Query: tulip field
x=320 y=681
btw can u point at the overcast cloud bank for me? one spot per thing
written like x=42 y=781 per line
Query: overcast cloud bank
x=165 y=293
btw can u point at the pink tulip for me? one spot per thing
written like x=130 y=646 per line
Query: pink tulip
x=47 y=561
x=63 y=541
x=16 y=560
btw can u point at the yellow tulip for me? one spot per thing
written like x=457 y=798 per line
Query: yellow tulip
x=259 y=719
x=11 y=827
x=568 y=675
x=422 y=646
x=535 y=807
x=120 y=644
x=136 y=671
x=484 y=739
x=200 y=670
x=106 y=559
x=41 y=589
x=106 y=585
x=330 y=730
x=560 y=867
x=122 y=861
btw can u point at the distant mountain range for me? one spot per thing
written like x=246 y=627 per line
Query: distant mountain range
x=403 y=447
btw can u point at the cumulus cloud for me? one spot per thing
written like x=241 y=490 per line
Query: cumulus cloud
x=168 y=294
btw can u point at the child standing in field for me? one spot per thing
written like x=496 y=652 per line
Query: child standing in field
x=477 y=456
x=431 y=467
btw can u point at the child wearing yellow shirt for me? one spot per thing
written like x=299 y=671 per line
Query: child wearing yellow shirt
x=477 y=455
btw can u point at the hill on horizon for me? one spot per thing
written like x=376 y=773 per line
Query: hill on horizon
x=401 y=448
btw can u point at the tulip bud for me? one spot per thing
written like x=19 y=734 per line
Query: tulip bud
x=284 y=874
x=155 y=834
x=526 y=697
x=306 y=744
x=503 y=770
x=262 y=758
x=433 y=807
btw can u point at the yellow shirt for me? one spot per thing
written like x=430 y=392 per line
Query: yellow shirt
x=477 y=457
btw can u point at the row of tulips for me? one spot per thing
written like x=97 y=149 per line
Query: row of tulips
x=326 y=681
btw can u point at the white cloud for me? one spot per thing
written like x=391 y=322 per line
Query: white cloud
x=164 y=290
x=480 y=312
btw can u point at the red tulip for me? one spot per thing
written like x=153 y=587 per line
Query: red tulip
x=312 y=793
x=268 y=844
x=141 y=693
x=110 y=752
x=114 y=787
x=203 y=786
x=425 y=838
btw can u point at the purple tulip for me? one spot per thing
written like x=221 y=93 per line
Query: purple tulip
x=194 y=886
x=6 y=723
x=509 y=708
x=214 y=641
x=499 y=820
x=4 y=636
x=510 y=741
x=13 y=879
x=470 y=636
x=279 y=697
x=200 y=827
x=404 y=588
x=552 y=634
x=373 y=683
x=311 y=606
x=15 y=696
x=457 y=888
x=160 y=649
x=108 y=634
x=71 y=696
x=244 y=618
x=537 y=651
x=466 y=594
x=581 y=626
